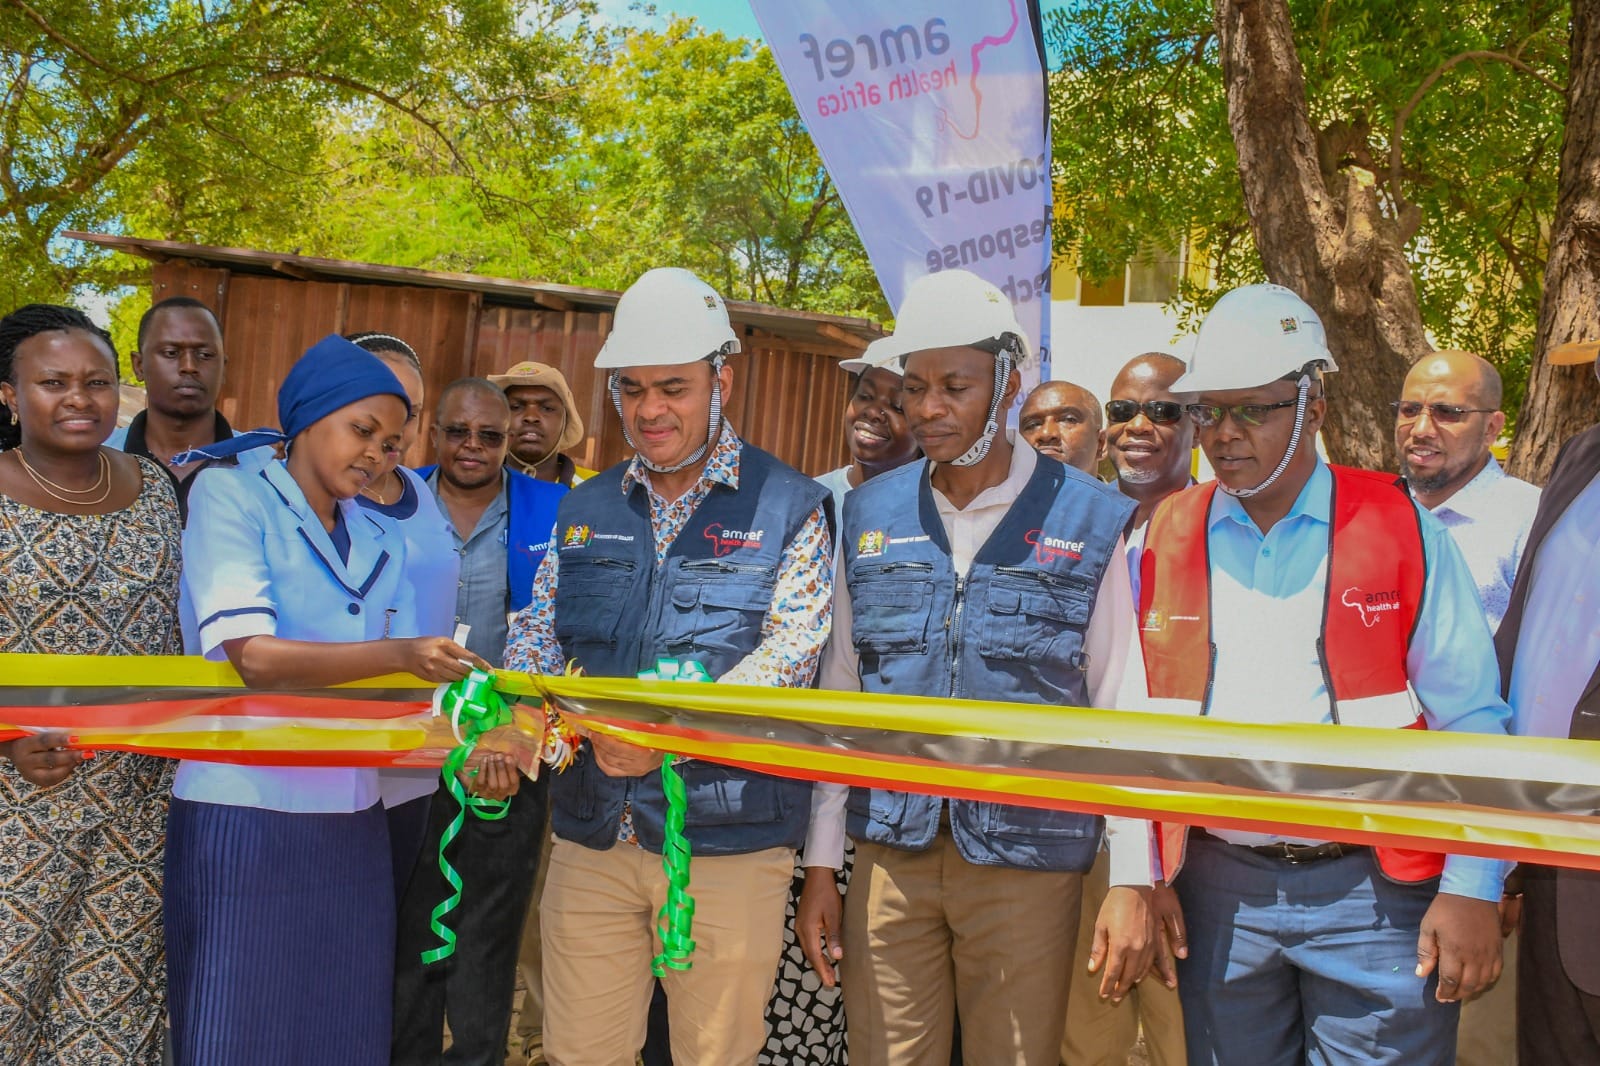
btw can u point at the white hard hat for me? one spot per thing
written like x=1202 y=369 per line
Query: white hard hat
x=668 y=317
x=877 y=356
x=950 y=309
x=1254 y=336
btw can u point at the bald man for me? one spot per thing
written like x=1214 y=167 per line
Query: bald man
x=1148 y=433
x=1447 y=418
x=1062 y=420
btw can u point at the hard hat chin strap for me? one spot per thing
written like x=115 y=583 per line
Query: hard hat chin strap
x=980 y=448
x=713 y=426
x=1304 y=388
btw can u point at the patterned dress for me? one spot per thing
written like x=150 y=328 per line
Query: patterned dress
x=82 y=981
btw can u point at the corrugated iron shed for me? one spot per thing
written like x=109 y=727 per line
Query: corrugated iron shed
x=788 y=389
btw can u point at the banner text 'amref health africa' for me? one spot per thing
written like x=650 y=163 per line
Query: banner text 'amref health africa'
x=931 y=118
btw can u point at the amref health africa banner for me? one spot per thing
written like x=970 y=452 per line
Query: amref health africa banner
x=930 y=116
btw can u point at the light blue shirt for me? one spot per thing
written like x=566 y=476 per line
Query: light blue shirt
x=1267 y=603
x=1559 y=643
x=482 y=592
x=257 y=562
x=1489 y=518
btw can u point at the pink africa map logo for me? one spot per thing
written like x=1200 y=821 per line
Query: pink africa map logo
x=948 y=121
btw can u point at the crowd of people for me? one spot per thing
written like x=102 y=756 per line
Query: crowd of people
x=212 y=913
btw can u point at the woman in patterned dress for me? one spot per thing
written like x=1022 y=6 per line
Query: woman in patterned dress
x=89 y=563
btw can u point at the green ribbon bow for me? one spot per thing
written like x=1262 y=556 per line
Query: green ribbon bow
x=474 y=708
x=675 y=922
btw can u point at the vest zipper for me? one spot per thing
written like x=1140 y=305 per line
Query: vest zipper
x=717 y=566
x=955 y=639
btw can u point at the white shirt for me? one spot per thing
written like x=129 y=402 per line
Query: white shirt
x=1267 y=604
x=1115 y=675
x=1489 y=518
x=257 y=562
x=837 y=482
x=1559 y=643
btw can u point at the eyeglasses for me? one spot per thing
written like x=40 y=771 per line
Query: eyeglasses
x=489 y=438
x=1207 y=415
x=1161 y=412
x=1446 y=414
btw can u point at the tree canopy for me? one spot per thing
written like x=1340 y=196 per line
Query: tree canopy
x=515 y=139
x=1451 y=112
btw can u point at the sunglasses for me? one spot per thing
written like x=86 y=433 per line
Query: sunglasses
x=1161 y=412
x=1207 y=415
x=1446 y=414
x=489 y=438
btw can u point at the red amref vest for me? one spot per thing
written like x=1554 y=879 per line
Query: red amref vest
x=1375 y=576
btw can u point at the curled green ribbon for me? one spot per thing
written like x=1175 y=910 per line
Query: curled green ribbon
x=675 y=921
x=474 y=708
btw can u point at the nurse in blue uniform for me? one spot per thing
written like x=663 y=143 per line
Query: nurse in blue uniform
x=279 y=893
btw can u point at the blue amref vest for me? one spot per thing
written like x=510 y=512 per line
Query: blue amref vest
x=531 y=507
x=1010 y=630
x=616 y=614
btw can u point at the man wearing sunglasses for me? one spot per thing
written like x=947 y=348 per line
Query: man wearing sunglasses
x=1149 y=436
x=502 y=522
x=1150 y=440
x=1295 y=592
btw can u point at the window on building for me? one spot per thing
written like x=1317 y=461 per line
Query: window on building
x=1153 y=276
x=1108 y=293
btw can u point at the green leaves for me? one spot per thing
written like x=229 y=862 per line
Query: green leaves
x=1144 y=155
x=477 y=135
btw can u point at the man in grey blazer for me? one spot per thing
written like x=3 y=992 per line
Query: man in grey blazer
x=1549 y=649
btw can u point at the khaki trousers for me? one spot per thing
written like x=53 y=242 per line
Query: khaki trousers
x=1488 y=1032
x=1100 y=1033
x=927 y=934
x=598 y=926
x=530 y=1020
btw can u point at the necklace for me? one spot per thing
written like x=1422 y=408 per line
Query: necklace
x=372 y=494
x=66 y=495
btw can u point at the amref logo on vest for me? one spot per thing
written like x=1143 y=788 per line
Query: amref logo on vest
x=1047 y=550
x=725 y=541
x=1371 y=605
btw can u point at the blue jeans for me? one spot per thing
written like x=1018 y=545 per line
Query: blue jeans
x=1312 y=963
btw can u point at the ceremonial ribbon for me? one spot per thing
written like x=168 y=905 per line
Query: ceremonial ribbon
x=1520 y=798
x=675 y=922
x=474 y=708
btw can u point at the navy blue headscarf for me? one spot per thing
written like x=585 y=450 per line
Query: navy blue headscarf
x=333 y=373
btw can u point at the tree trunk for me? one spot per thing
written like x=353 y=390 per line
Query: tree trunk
x=1321 y=232
x=1562 y=400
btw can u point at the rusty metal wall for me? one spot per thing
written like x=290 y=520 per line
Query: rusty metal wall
x=785 y=400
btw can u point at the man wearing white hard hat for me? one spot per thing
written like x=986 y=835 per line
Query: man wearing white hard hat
x=987 y=573
x=1291 y=591
x=1549 y=646
x=699 y=549
x=878 y=441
